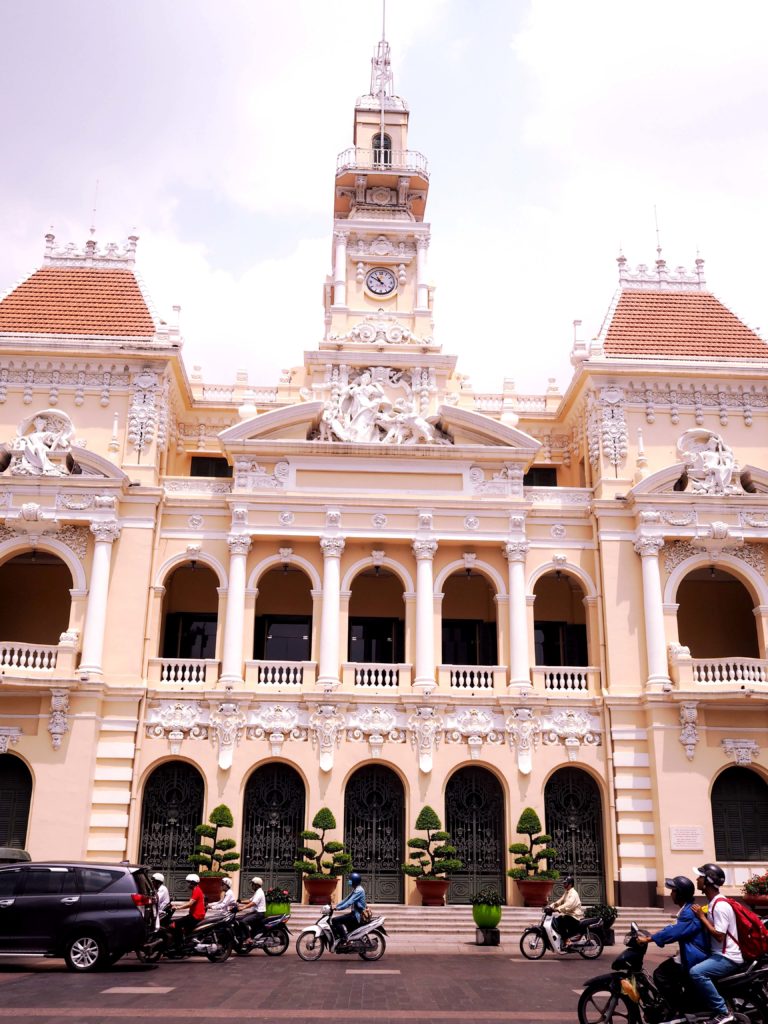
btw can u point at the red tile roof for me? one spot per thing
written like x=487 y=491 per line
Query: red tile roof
x=74 y=300
x=679 y=325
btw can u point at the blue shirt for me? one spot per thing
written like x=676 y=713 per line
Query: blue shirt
x=691 y=936
x=355 y=901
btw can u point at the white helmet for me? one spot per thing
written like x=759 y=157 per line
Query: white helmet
x=192 y=878
x=158 y=877
x=256 y=882
x=227 y=883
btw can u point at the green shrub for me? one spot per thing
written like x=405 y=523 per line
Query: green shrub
x=330 y=860
x=433 y=856
x=487 y=897
x=527 y=858
x=217 y=859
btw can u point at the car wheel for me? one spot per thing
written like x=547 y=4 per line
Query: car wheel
x=84 y=952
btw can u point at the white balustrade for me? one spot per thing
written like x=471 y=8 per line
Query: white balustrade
x=278 y=673
x=729 y=670
x=566 y=679
x=373 y=676
x=185 y=670
x=471 y=677
x=382 y=159
x=488 y=403
x=29 y=657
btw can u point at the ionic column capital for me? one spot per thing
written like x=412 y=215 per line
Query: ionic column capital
x=424 y=550
x=332 y=547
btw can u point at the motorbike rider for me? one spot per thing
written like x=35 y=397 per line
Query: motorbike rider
x=354 y=902
x=228 y=899
x=672 y=976
x=195 y=906
x=258 y=903
x=570 y=912
x=725 y=956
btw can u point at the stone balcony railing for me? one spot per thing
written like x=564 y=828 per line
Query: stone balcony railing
x=39 y=661
x=566 y=680
x=741 y=673
x=395 y=160
x=281 y=674
x=375 y=676
x=472 y=678
x=184 y=672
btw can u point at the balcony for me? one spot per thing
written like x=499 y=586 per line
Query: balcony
x=735 y=672
x=278 y=675
x=395 y=161
x=375 y=677
x=472 y=678
x=183 y=672
x=39 y=661
x=567 y=680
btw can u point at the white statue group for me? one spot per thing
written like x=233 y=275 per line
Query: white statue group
x=709 y=462
x=42 y=445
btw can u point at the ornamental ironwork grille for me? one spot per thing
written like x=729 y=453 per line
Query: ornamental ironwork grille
x=15 y=798
x=740 y=816
x=374 y=824
x=171 y=809
x=273 y=819
x=574 y=818
x=474 y=808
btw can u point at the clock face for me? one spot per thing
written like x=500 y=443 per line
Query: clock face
x=381 y=281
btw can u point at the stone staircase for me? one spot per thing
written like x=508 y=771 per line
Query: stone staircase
x=454 y=923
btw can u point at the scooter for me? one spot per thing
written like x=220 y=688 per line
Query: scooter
x=367 y=940
x=213 y=938
x=273 y=937
x=535 y=941
x=629 y=995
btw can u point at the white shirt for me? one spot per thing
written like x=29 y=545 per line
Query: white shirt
x=570 y=903
x=163 y=898
x=228 y=901
x=259 y=901
x=721 y=914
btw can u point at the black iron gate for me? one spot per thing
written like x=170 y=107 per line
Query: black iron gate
x=171 y=809
x=574 y=818
x=474 y=809
x=15 y=798
x=374 y=818
x=273 y=818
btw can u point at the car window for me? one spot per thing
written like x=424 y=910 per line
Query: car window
x=49 y=881
x=8 y=880
x=143 y=883
x=97 y=879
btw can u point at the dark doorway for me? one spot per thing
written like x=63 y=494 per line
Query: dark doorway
x=474 y=810
x=15 y=800
x=171 y=809
x=740 y=815
x=573 y=813
x=374 y=825
x=379 y=641
x=273 y=818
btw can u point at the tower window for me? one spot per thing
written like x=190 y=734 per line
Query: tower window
x=382 y=149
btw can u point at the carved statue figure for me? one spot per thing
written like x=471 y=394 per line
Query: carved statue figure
x=32 y=449
x=709 y=461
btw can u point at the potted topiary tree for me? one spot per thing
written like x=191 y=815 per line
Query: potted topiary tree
x=321 y=868
x=486 y=908
x=215 y=860
x=533 y=882
x=433 y=859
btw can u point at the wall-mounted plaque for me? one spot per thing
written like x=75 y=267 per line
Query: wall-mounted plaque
x=686 y=837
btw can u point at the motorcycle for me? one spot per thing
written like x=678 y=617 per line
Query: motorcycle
x=535 y=941
x=630 y=996
x=273 y=937
x=213 y=938
x=367 y=940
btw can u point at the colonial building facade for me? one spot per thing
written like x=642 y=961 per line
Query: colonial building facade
x=372 y=588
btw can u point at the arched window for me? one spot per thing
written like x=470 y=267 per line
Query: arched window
x=190 y=612
x=715 y=615
x=15 y=798
x=35 y=598
x=171 y=809
x=382 y=149
x=740 y=815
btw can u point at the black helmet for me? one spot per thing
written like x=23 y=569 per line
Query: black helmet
x=684 y=887
x=568 y=880
x=355 y=877
x=712 y=873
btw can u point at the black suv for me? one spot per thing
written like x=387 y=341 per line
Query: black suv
x=91 y=914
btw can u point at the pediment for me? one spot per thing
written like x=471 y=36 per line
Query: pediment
x=668 y=480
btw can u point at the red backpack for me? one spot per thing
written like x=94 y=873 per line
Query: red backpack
x=751 y=934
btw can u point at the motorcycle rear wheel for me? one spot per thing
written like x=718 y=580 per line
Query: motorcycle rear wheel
x=375 y=946
x=593 y=946
x=310 y=947
x=224 y=952
x=598 y=1005
x=150 y=957
x=242 y=950
x=277 y=943
x=533 y=945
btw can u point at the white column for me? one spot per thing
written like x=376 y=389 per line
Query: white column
x=655 y=643
x=422 y=288
x=232 y=656
x=328 y=669
x=424 y=678
x=519 y=656
x=105 y=534
x=340 y=268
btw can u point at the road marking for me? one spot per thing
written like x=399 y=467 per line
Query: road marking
x=137 y=990
x=370 y=970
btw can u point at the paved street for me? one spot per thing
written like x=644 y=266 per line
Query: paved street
x=476 y=985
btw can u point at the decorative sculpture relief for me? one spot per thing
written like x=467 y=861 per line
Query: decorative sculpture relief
x=681 y=550
x=332 y=547
x=381 y=330
x=473 y=726
x=607 y=427
x=239 y=543
x=424 y=549
x=75 y=537
x=742 y=752
x=571 y=728
x=523 y=732
x=57 y=720
x=9 y=734
x=689 y=734
x=105 y=532
x=709 y=462
x=275 y=722
x=227 y=723
x=42 y=446
x=177 y=721
x=286 y=518
x=148 y=413
x=506 y=482
x=374 y=724
x=326 y=727
x=516 y=550
x=649 y=547
x=250 y=476
x=426 y=728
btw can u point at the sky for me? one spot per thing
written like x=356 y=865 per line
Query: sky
x=556 y=132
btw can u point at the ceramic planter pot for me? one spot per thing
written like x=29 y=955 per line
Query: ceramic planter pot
x=432 y=891
x=320 y=890
x=485 y=916
x=278 y=908
x=535 y=891
x=211 y=887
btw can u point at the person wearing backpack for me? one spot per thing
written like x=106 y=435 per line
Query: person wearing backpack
x=725 y=955
x=672 y=976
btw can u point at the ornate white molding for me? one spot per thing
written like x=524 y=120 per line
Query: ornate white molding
x=424 y=549
x=381 y=330
x=226 y=725
x=573 y=728
x=326 y=728
x=473 y=726
x=58 y=726
x=198 y=485
x=9 y=735
x=523 y=733
x=106 y=532
x=332 y=547
x=426 y=727
x=709 y=462
x=607 y=426
x=275 y=723
x=75 y=537
x=42 y=446
x=516 y=550
x=506 y=482
x=177 y=721
x=108 y=257
x=148 y=412
x=679 y=551
x=376 y=725
x=740 y=751
x=250 y=476
x=689 y=733
x=239 y=543
x=649 y=547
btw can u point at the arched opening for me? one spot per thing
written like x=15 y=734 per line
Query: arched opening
x=740 y=816
x=35 y=598
x=15 y=799
x=469 y=627
x=474 y=811
x=374 y=824
x=283 y=616
x=573 y=813
x=560 y=621
x=190 y=613
x=715 y=615
x=382 y=149
x=273 y=819
x=377 y=618
x=171 y=809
